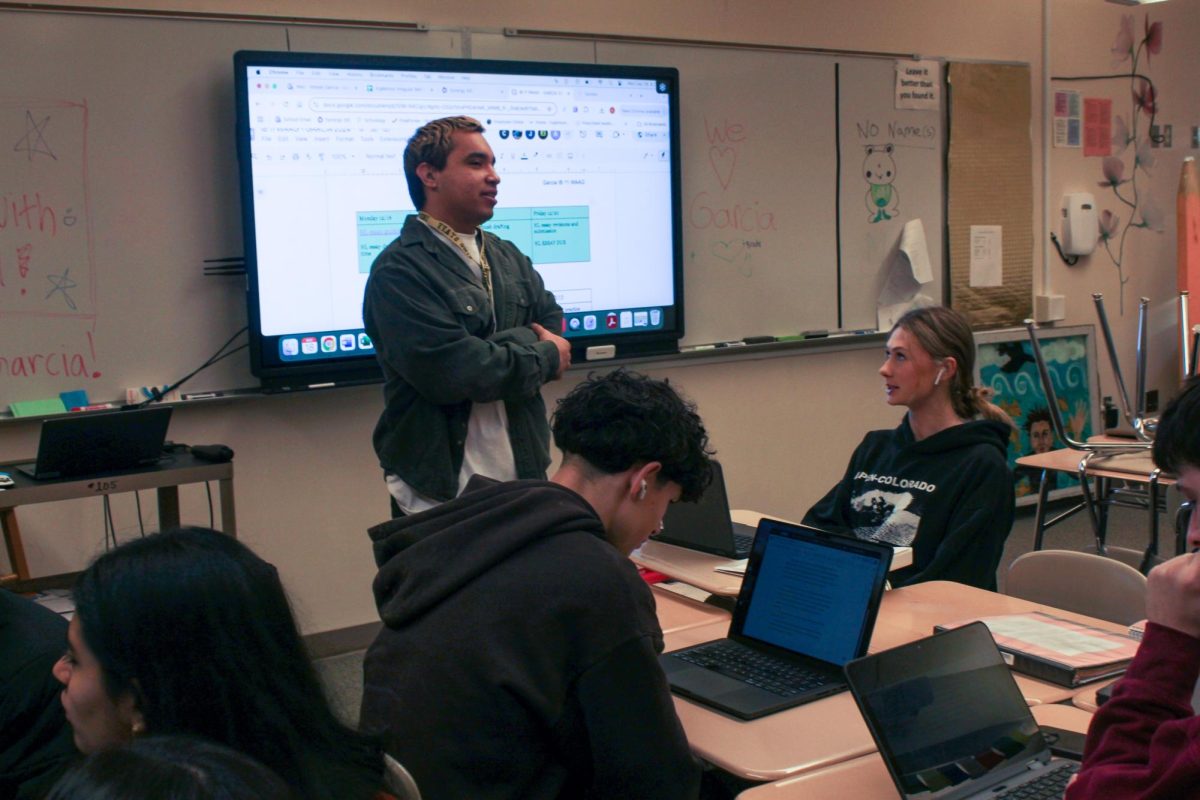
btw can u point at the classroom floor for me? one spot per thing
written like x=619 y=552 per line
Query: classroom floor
x=342 y=673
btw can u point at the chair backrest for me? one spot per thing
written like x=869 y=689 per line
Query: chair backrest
x=399 y=780
x=1081 y=582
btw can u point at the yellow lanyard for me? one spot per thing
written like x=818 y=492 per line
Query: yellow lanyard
x=485 y=269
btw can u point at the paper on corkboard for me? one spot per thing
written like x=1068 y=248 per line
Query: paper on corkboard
x=990 y=183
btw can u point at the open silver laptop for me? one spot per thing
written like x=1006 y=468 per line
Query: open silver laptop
x=950 y=722
x=807 y=606
x=92 y=443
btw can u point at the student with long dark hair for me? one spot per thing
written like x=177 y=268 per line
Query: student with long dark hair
x=940 y=480
x=170 y=768
x=189 y=632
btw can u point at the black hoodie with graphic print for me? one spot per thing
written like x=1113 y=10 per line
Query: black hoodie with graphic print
x=949 y=496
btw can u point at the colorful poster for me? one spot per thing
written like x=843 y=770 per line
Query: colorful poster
x=1006 y=365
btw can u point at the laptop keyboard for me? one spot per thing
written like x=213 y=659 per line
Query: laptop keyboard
x=755 y=668
x=742 y=544
x=1050 y=785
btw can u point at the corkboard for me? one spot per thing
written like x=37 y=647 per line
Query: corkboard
x=990 y=182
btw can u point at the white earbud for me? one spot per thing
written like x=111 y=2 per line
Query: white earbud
x=938 y=379
x=642 y=491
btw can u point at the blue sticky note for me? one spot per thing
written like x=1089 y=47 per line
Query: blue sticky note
x=74 y=399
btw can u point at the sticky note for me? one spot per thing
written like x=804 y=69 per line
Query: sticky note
x=74 y=399
x=34 y=408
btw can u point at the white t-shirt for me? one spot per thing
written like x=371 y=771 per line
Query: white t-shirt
x=488 y=450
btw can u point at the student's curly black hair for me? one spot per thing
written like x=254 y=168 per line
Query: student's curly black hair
x=617 y=420
x=1177 y=440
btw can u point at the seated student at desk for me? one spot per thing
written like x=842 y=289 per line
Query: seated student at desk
x=170 y=768
x=35 y=739
x=1145 y=741
x=520 y=657
x=940 y=481
x=189 y=632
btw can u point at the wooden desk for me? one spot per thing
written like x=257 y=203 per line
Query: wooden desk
x=677 y=613
x=166 y=478
x=699 y=569
x=831 y=731
x=867 y=777
x=1086 y=699
x=1137 y=468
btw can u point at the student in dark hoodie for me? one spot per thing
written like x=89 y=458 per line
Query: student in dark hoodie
x=940 y=481
x=519 y=657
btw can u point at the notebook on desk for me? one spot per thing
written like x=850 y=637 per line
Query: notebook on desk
x=807 y=606
x=96 y=442
x=951 y=723
x=705 y=524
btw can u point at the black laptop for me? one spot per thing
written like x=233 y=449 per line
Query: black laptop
x=807 y=606
x=951 y=723
x=91 y=443
x=705 y=524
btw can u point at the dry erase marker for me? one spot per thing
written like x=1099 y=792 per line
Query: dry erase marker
x=95 y=407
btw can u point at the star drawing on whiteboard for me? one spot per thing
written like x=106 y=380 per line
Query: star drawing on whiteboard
x=34 y=140
x=62 y=283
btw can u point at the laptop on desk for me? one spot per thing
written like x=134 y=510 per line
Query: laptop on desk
x=807 y=606
x=705 y=524
x=91 y=443
x=951 y=723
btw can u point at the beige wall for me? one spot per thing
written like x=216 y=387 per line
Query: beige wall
x=307 y=484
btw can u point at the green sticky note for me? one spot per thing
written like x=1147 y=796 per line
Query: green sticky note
x=36 y=408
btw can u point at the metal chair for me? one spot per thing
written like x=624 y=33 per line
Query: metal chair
x=399 y=781
x=1094 y=453
x=1081 y=582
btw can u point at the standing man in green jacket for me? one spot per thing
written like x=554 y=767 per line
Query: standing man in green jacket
x=464 y=329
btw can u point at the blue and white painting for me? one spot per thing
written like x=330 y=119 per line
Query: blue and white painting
x=1009 y=370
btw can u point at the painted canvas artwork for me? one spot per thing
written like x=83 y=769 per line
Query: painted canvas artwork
x=1006 y=365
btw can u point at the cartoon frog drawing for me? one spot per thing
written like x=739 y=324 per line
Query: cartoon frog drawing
x=879 y=170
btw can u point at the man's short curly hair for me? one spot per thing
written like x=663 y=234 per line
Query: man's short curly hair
x=1177 y=440
x=622 y=419
x=432 y=144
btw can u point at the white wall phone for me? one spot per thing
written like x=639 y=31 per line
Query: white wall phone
x=1081 y=227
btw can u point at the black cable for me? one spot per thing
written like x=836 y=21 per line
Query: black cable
x=158 y=394
x=1070 y=261
x=211 y=519
x=137 y=498
x=110 y=529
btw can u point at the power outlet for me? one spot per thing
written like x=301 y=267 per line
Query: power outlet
x=1151 y=401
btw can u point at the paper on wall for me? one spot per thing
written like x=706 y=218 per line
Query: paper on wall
x=987 y=255
x=909 y=272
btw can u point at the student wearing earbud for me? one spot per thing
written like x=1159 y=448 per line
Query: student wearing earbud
x=520 y=653
x=940 y=481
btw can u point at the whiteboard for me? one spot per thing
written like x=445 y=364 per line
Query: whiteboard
x=776 y=233
x=118 y=178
